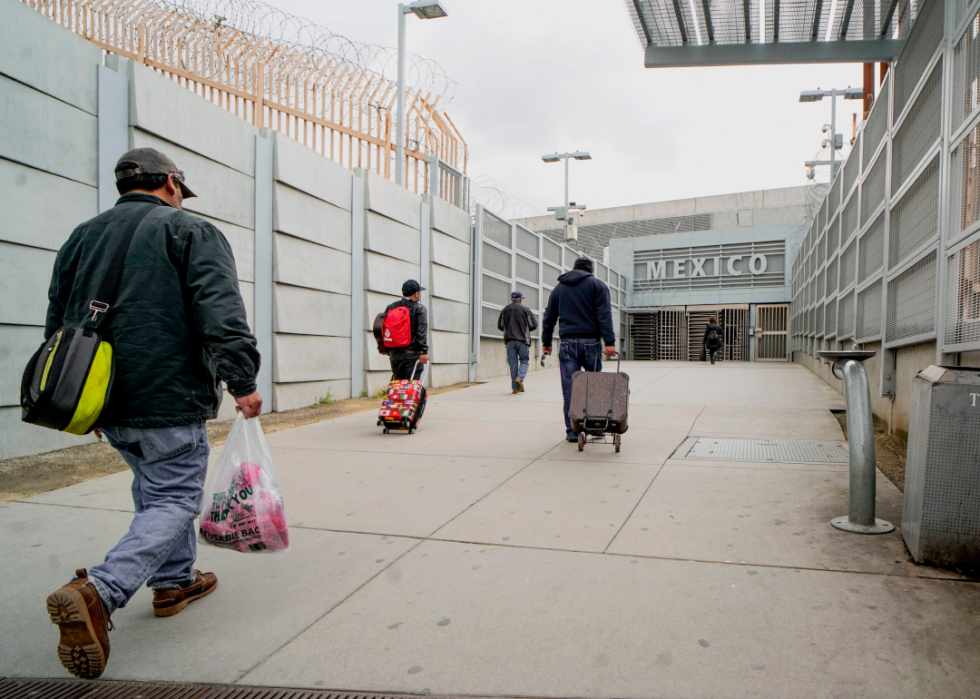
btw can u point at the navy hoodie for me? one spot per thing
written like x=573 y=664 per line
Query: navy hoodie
x=582 y=303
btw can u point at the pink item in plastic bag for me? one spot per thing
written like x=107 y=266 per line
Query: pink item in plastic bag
x=243 y=507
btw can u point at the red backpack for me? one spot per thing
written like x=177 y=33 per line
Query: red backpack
x=397 y=327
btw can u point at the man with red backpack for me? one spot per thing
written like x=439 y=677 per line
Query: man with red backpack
x=405 y=333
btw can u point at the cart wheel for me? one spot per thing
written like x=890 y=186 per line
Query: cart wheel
x=618 y=441
x=411 y=430
x=581 y=441
x=386 y=430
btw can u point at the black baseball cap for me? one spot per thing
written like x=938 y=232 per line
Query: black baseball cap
x=410 y=287
x=516 y=295
x=149 y=161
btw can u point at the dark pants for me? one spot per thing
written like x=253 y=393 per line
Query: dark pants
x=572 y=356
x=712 y=351
x=402 y=362
x=519 y=358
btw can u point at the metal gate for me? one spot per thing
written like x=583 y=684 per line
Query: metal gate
x=771 y=333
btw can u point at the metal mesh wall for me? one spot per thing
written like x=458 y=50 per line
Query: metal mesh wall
x=822 y=217
x=964 y=183
x=872 y=249
x=495 y=291
x=959 y=9
x=830 y=318
x=849 y=217
x=877 y=125
x=915 y=217
x=920 y=46
x=822 y=284
x=920 y=130
x=496 y=260
x=912 y=301
x=550 y=275
x=873 y=187
x=496 y=229
x=966 y=75
x=530 y=294
x=819 y=320
x=963 y=296
x=848 y=265
x=527 y=270
x=552 y=251
x=845 y=316
x=601 y=271
x=489 y=322
x=832 y=277
x=852 y=168
x=821 y=250
x=527 y=241
x=833 y=236
x=868 y=314
x=833 y=200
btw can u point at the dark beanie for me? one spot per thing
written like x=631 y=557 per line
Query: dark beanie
x=583 y=263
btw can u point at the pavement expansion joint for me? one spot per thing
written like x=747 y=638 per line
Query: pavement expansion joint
x=776 y=450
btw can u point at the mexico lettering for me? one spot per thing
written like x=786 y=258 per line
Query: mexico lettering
x=695 y=267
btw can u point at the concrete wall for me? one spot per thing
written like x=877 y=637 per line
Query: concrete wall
x=48 y=184
x=493 y=358
x=342 y=241
x=759 y=208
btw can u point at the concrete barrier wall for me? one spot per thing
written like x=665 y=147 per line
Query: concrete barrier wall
x=51 y=168
x=48 y=184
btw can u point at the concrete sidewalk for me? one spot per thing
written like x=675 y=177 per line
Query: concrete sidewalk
x=484 y=555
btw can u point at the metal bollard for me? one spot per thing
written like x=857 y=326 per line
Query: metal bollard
x=860 y=437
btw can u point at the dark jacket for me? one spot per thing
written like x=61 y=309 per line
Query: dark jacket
x=581 y=301
x=177 y=322
x=718 y=331
x=517 y=321
x=420 y=326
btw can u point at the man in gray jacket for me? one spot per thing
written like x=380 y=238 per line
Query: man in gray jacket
x=517 y=321
x=177 y=326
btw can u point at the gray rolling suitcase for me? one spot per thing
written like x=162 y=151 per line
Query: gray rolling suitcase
x=599 y=406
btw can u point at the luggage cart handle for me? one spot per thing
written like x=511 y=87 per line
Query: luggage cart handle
x=425 y=369
x=612 y=398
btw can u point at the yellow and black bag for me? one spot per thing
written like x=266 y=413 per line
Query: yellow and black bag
x=66 y=383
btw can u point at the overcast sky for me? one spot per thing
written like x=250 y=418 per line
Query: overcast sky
x=535 y=76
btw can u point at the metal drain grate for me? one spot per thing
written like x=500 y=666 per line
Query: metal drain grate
x=78 y=689
x=778 y=450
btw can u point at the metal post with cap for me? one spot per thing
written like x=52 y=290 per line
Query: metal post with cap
x=861 y=441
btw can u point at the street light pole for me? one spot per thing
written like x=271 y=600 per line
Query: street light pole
x=851 y=93
x=566 y=183
x=423 y=9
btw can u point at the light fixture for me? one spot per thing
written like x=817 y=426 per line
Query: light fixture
x=427 y=9
x=811 y=95
x=550 y=158
x=581 y=155
x=854 y=93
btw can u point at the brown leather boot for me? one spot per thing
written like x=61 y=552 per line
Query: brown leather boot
x=169 y=602
x=83 y=620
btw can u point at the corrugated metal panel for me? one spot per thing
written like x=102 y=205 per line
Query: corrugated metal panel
x=920 y=130
x=912 y=301
x=915 y=217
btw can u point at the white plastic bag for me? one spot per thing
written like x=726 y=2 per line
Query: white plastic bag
x=243 y=507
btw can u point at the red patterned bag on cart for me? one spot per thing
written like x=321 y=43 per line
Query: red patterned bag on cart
x=403 y=405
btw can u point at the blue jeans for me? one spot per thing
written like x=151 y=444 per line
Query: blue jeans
x=518 y=356
x=572 y=356
x=169 y=465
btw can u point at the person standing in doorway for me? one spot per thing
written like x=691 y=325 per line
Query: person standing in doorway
x=407 y=363
x=581 y=303
x=517 y=321
x=712 y=337
x=178 y=328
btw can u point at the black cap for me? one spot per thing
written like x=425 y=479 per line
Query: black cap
x=411 y=287
x=149 y=161
x=516 y=295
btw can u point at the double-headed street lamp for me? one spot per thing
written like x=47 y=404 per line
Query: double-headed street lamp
x=423 y=9
x=851 y=93
x=554 y=158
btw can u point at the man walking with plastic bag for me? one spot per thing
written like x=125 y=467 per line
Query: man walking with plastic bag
x=178 y=326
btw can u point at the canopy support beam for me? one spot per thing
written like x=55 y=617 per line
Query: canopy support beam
x=877 y=51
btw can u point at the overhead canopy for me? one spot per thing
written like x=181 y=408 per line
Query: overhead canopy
x=742 y=32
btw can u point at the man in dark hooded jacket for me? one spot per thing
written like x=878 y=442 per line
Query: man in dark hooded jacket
x=581 y=303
